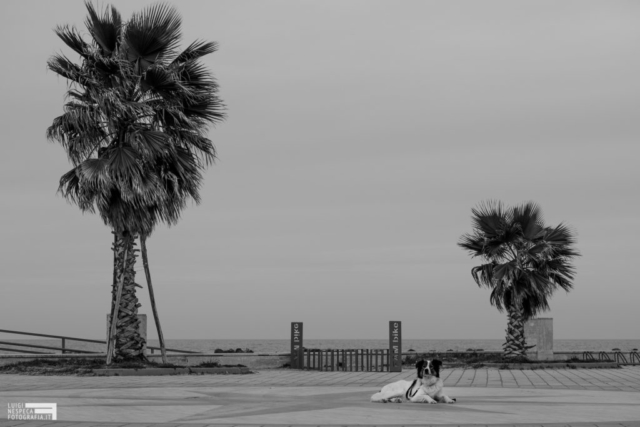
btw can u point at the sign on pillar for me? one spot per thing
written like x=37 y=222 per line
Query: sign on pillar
x=296 y=345
x=395 y=346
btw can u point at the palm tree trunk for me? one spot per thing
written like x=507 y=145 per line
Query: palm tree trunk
x=156 y=317
x=125 y=341
x=114 y=289
x=118 y=248
x=515 y=345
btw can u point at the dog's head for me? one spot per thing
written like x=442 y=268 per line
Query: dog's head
x=428 y=368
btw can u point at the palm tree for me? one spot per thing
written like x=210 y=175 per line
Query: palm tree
x=134 y=128
x=524 y=263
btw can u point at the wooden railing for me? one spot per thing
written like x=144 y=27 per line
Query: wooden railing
x=63 y=349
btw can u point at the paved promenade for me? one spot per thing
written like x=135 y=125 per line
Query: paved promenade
x=284 y=397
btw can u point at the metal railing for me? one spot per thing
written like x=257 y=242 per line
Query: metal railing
x=63 y=349
x=604 y=356
x=613 y=356
x=619 y=357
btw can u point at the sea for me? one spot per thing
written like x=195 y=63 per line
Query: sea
x=284 y=345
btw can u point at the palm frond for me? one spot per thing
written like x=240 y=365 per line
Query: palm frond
x=62 y=66
x=561 y=235
x=209 y=109
x=69 y=185
x=529 y=218
x=152 y=144
x=538 y=249
x=497 y=299
x=200 y=146
x=195 y=75
x=73 y=39
x=159 y=81
x=563 y=251
x=495 y=249
x=197 y=49
x=205 y=149
x=534 y=304
x=123 y=162
x=152 y=35
x=77 y=131
x=505 y=272
x=483 y=275
x=489 y=218
x=107 y=68
x=95 y=173
x=105 y=29
x=472 y=243
x=82 y=97
x=184 y=174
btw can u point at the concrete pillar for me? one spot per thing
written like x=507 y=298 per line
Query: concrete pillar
x=541 y=329
x=142 y=330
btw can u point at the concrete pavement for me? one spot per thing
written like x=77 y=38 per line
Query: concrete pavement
x=286 y=397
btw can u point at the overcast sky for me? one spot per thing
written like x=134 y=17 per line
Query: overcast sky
x=359 y=136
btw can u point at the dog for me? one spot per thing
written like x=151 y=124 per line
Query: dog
x=426 y=388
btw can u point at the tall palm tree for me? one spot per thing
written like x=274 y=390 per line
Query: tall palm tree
x=134 y=128
x=524 y=263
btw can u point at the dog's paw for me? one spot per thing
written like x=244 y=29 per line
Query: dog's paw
x=396 y=400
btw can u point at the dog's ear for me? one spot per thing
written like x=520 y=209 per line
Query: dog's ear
x=419 y=367
x=436 y=365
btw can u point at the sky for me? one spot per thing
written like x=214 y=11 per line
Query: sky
x=359 y=136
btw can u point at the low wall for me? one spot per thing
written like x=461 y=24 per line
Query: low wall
x=631 y=357
x=250 y=360
x=277 y=360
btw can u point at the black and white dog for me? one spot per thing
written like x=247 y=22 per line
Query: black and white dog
x=426 y=388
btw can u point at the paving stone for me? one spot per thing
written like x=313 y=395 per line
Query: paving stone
x=485 y=397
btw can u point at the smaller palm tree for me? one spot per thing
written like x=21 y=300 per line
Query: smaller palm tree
x=525 y=262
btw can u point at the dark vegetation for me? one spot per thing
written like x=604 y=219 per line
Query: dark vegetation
x=479 y=359
x=216 y=365
x=237 y=350
x=85 y=367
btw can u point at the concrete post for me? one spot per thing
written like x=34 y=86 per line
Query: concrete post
x=542 y=330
